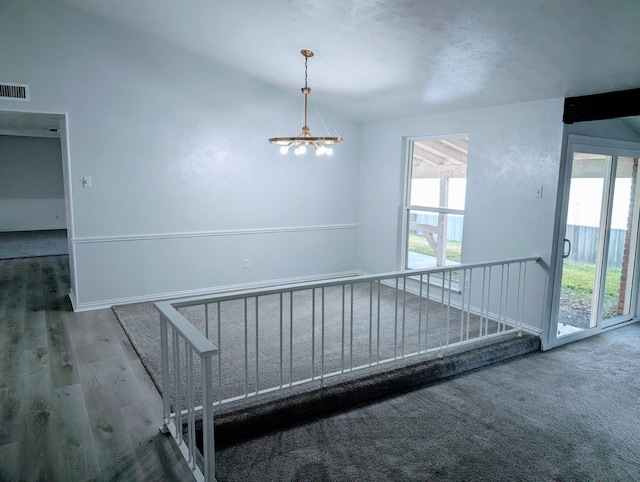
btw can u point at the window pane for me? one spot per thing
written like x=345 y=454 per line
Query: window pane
x=425 y=192
x=438 y=183
x=621 y=238
x=579 y=269
x=457 y=192
x=426 y=229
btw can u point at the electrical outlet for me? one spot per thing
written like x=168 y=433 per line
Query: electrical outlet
x=539 y=191
x=245 y=263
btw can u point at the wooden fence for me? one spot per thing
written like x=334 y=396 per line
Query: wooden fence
x=584 y=239
x=584 y=245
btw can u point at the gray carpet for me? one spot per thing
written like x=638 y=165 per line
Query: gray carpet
x=570 y=414
x=28 y=244
x=271 y=411
x=388 y=336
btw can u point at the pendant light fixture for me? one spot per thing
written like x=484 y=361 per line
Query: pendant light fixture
x=305 y=138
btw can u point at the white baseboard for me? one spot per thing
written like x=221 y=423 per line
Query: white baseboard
x=102 y=304
x=262 y=285
x=74 y=303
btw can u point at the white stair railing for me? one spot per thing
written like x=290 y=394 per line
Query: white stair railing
x=179 y=342
x=253 y=342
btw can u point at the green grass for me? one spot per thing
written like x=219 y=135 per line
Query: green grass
x=578 y=280
x=418 y=244
x=579 y=277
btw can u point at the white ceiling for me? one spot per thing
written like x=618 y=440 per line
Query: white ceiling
x=384 y=59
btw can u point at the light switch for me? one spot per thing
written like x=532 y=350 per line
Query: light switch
x=539 y=191
x=86 y=181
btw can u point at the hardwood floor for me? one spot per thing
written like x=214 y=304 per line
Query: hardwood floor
x=75 y=401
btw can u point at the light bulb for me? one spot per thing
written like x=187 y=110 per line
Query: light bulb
x=329 y=151
x=300 y=150
x=321 y=151
x=284 y=149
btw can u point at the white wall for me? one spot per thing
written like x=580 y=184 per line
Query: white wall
x=185 y=184
x=31 y=185
x=513 y=149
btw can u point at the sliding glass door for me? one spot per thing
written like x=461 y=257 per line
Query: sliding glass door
x=598 y=239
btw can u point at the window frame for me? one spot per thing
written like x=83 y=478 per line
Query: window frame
x=407 y=207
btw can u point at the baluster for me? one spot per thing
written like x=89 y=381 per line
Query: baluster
x=191 y=429
x=484 y=277
x=322 y=338
x=426 y=314
x=507 y=290
x=486 y=331
x=404 y=311
x=370 y=319
x=469 y=302
x=291 y=338
x=209 y=453
x=442 y=317
x=461 y=278
x=395 y=321
x=246 y=350
x=449 y=308
x=342 y=333
x=206 y=320
x=257 y=349
x=281 y=341
x=164 y=349
x=501 y=312
x=378 y=326
x=313 y=333
x=420 y=317
x=177 y=398
x=219 y=353
x=523 y=269
x=351 y=331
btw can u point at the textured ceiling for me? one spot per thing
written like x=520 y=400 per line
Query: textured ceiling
x=384 y=59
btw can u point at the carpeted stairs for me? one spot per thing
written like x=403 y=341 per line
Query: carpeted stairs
x=246 y=418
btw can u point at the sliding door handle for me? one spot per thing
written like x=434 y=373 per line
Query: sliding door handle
x=565 y=254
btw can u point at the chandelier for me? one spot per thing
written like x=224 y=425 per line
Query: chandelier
x=305 y=138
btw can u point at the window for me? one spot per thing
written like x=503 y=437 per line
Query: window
x=435 y=197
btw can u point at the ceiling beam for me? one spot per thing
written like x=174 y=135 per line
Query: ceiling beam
x=622 y=103
x=437 y=152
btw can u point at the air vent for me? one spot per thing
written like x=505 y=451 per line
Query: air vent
x=12 y=91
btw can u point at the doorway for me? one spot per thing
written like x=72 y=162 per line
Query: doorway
x=37 y=210
x=598 y=238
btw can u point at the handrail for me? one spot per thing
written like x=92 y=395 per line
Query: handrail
x=190 y=333
x=240 y=294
